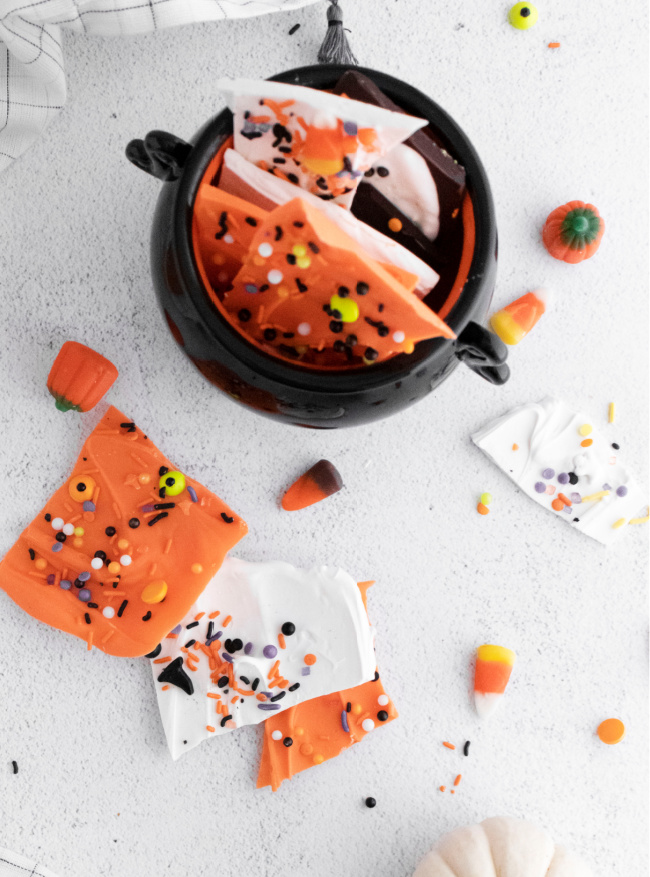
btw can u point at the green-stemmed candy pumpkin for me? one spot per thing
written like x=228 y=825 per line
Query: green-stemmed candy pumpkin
x=79 y=377
x=572 y=232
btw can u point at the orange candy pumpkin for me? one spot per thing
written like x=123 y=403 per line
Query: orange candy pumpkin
x=572 y=232
x=79 y=377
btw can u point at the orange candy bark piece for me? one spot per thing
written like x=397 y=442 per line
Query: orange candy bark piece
x=183 y=545
x=223 y=227
x=317 y=483
x=298 y=261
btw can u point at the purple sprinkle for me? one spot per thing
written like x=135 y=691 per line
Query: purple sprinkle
x=177 y=629
x=211 y=639
x=83 y=576
x=607 y=487
x=621 y=491
x=305 y=671
x=89 y=506
x=350 y=128
x=575 y=498
x=344 y=722
x=66 y=584
x=148 y=508
x=226 y=657
x=251 y=288
x=548 y=473
x=84 y=595
x=563 y=478
x=540 y=487
x=267 y=693
x=269 y=651
x=248 y=648
x=192 y=493
x=567 y=509
x=50 y=579
x=57 y=547
x=268 y=706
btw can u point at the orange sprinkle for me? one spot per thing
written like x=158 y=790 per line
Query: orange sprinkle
x=40 y=563
x=168 y=547
x=281 y=641
x=449 y=745
x=515 y=447
x=90 y=641
x=234 y=699
x=209 y=728
x=274 y=668
x=215 y=696
x=172 y=636
x=164 y=688
x=196 y=568
x=482 y=509
x=564 y=499
x=395 y=224
x=557 y=504
x=458 y=779
x=442 y=788
x=261 y=696
x=227 y=620
x=191 y=667
x=452 y=792
x=309 y=659
x=585 y=443
x=108 y=636
x=199 y=616
x=283 y=683
x=161 y=660
x=214 y=614
x=554 y=45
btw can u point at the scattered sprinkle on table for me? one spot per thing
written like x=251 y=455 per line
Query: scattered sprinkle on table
x=466 y=748
x=14 y=765
x=611 y=731
x=449 y=745
x=294 y=29
x=611 y=414
x=554 y=45
x=370 y=802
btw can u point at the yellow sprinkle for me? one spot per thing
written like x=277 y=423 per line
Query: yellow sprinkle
x=196 y=568
x=303 y=261
x=318 y=759
x=612 y=412
x=618 y=523
x=154 y=592
x=595 y=496
x=486 y=498
x=643 y=520
x=79 y=531
x=585 y=429
x=282 y=292
x=299 y=250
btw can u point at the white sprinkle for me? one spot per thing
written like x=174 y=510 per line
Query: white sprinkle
x=367 y=724
x=222 y=277
x=229 y=239
x=265 y=250
x=125 y=560
x=97 y=563
x=304 y=329
x=275 y=276
x=57 y=524
x=68 y=529
x=398 y=336
x=277 y=735
x=382 y=700
x=108 y=612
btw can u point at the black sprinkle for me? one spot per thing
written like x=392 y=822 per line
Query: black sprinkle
x=576 y=520
x=157 y=518
x=224 y=720
x=371 y=354
x=288 y=742
x=256 y=683
x=101 y=554
x=210 y=630
x=163 y=471
x=32 y=553
x=110 y=531
x=190 y=644
x=278 y=232
x=293 y=178
x=376 y=675
x=370 y=173
x=191 y=625
x=226 y=518
x=339 y=346
x=348 y=707
x=573 y=478
x=161 y=492
x=351 y=341
x=383 y=171
x=270 y=334
x=251 y=135
x=128 y=425
x=336 y=326
x=294 y=29
x=279 y=161
x=92 y=605
x=380 y=308
x=155 y=652
x=466 y=748
x=278 y=696
x=147 y=616
x=233 y=645
x=244 y=315
x=48 y=517
x=321 y=182
x=370 y=802
x=134 y=523
x=294 y=686
x=382 y=715
x=299 y=224
x=164 y=505
x=313 y=247
x=223 y=681
x=264 y=287
x=251 y=221
x=14 y=765
x=362 y=288
x=123 y=606
x=87 y=617
x=60 y=537
x=245 y=680
x=288 y=628
x=78 y=583
x=285 y=149
x=115 y=584
x=288 y=334
x=615 y=446
x=291 y=259
x=223 y=231
x=174 y=674
x=302 y=287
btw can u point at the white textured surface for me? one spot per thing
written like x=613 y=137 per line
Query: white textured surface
x=550 y=126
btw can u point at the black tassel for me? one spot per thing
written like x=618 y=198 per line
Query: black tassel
x=335 y=48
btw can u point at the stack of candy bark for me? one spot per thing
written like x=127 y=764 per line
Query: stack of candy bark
x=323 y=224
x=129 y=555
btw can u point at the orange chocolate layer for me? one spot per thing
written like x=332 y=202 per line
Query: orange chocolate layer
x=142 y=549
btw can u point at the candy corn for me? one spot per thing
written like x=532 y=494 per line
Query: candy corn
x=319 y=482
x=493 y=668
x=515 y=321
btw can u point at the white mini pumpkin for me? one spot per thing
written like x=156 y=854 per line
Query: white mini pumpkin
x=500 y=847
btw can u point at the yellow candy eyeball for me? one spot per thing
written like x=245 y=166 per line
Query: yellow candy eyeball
x=347 y=308
x=523 y=16
x=173 y=482
x=81 y=487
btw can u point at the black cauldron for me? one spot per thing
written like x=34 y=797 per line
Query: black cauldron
x=286 y=391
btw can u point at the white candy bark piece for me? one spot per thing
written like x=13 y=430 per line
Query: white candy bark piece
x=410 y=186
x=547 y=449
x=254 y=601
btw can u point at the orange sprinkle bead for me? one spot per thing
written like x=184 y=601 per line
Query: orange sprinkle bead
x=442 y=788
x=196 y=568
x=395 y=224
x=40 y=563
x=144 y=478
x=209 y=728
x=318 y=759
x=482 y=509
x=114 y=567
x=557 y=504
x=585 y=443
x=611 y=731
x=310 y=659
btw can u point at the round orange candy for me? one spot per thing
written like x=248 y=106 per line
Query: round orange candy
x=611 y=731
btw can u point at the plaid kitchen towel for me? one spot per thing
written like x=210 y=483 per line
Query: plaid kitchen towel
x=13 y=865
x=32 y=77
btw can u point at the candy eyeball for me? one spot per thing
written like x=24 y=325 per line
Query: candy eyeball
x=81 y=488
x=173 y=483
x=523 y=16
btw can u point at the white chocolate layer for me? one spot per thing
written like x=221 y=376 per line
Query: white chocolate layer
x=410 y=187
x=331 y=624
x=548 y=437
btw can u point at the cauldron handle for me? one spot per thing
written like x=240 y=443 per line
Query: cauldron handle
x=160 y=154
x=483 y=352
